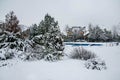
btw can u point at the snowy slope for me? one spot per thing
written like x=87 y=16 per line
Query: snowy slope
x=67 y=69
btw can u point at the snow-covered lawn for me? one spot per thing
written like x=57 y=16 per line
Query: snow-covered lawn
x=66 y=69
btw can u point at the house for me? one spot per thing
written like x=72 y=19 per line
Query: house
x=76 y=32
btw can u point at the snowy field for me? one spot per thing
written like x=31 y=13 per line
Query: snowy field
x=66 y=69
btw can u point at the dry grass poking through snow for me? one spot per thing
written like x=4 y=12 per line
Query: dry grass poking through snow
x=83 y=54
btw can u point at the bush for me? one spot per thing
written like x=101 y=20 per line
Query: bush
x=92 y=61
x=81 y=53
x=53 y=56
x=6 y=53
x=95 y=63
x=32 y=51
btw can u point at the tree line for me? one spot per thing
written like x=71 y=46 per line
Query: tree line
x=42 y=41
x=92 y=34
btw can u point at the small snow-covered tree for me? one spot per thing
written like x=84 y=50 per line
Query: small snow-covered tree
x=100 y=35
x=96 y=34
x=108 y=34
x=91 y=35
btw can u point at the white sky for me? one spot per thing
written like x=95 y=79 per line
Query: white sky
x=71 y=12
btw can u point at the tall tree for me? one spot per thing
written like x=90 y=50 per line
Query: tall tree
x=10 y=39
x=11 y=31
x=50 y=36
x=12 y=22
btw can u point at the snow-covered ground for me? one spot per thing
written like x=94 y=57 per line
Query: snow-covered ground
x=66 y=69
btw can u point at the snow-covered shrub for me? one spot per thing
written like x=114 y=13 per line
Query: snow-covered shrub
x=39 y=39
x=32 y=51
x=11 y=49
x=95 y=63
x=21 y=55
x=2 y=56
x=9 y=55
x=54 y=56
x=49 y=57
x=6 y=53
x=54 y=47
x=81 y=53
x=9 y=63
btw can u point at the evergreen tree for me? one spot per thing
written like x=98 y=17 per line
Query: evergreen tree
x=108 y=34
x=12 y=22
x=96 y=34
x=10 y=35
x=33 y=30
x=115 y=33
x=91 y=36
x=50 y=36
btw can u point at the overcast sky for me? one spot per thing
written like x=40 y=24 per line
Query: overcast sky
x=71 y=12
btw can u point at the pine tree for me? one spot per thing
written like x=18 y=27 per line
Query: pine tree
x=12 y=23
x=10 y=35
x=33 y=31
x=50 y=36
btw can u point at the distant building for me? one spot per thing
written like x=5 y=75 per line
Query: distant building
x=76 y=33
